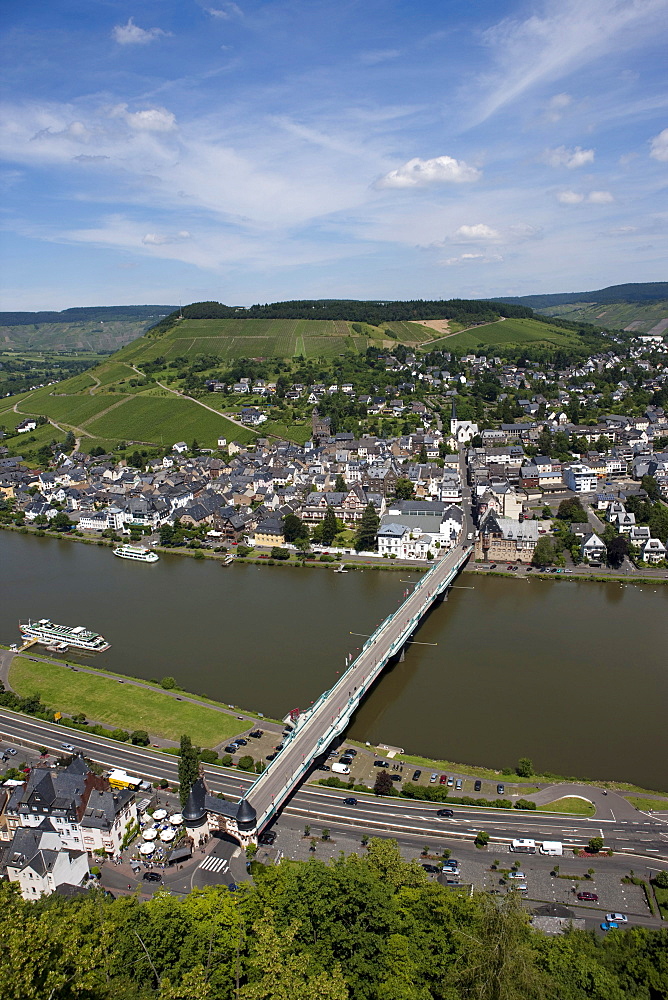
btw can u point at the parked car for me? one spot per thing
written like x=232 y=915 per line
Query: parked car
x=12 y=752
x=380 y=763
x=325 y=767
x=443 y=780
x=477 y=786
x=231 y=748
x=451 y=870
x=351 y=752
x=451 y=863
x=68 y=747
x=277 y=748
x=395 y=777
x=350 y=801
x=451 y=782
x=241 y=743
x=267 y=838
x=433 y=778
x=346 y=760
x=609 y=925
x=500 y=789
x=590 y=897
x=516 y=875
x=445 y=812
x=256 y=734
x=152 y=877
x=271 y=756
x=452 y=881
x=416 y=775
x=618 y=918
x=430 y=869
x=458 y=784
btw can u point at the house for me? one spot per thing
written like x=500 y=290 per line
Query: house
x=269 y=532
x=579 y=478
x=38 y=860
x=593 y=549
x=653 y=551
x=503 y=540
x=26 y=425
x=180 y=447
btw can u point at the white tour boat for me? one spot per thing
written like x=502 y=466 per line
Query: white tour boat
x=63 y=635
x=136 y=552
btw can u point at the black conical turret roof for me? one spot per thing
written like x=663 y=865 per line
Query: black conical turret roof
x=246 y=815
x=195 y=809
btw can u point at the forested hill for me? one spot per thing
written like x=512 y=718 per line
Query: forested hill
x=86 y=314
x=374 y=312
x=642 y=292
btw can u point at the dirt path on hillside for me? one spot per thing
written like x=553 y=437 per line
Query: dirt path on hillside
x=192 y=399
x=432 y=325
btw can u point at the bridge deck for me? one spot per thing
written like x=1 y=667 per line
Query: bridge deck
x=330 y=715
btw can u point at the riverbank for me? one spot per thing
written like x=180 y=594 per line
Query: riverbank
x=168 y=714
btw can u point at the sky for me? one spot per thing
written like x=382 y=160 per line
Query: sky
x=185 y=150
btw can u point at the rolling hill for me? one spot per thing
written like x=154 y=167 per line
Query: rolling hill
x=98 y=328
x=636 y=308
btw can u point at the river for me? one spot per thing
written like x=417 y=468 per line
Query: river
x=572 y=675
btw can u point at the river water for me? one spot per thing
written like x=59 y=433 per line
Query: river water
x=572 y=675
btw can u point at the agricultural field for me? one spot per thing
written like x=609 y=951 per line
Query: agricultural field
x=508 y=332
x=162 y=421
x=297 y=432
x=410 y=333
x=639 y=317
x=73 y=336
x=73 y=410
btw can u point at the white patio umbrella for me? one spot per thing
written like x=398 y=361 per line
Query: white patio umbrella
x=176 y=819
x=147 y=848
x=167 y=835
x=150 y=833
x=159 y=814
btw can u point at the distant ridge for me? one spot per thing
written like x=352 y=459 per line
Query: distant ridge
x=650 y=291
x=86 y=314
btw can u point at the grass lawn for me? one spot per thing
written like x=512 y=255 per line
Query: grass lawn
x=570 y=804
x=104 y=700
x=662 y=900
x=647 y=804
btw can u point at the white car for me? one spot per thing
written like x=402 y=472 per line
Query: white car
x=516 y=875
x=68 y=747
x=618 y=918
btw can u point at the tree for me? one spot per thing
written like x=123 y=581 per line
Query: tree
x=368 y=529
x=650 y=487
x=383 y=783
x=302 y=545
x=246 y=763
x=340 y=485
x=294 y=528
x=168 y=683
x=617 y=549
x=61 y=521
x=422 y=457
x=69 y=442
x=140 y=738
x=547 y=512
x=661 y=879
x=524 y=768
x=596 y=844
x=329 y=527
x=543 y=554
x=482 y=839
x=404 y=489
x=188 y=768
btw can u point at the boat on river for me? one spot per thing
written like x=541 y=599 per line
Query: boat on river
x=62 y=636
x=136 y=552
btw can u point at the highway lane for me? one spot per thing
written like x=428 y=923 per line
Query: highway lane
x=392 y=815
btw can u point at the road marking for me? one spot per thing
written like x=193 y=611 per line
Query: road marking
x=214 y=864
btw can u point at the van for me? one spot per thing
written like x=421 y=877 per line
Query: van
x=339 y=768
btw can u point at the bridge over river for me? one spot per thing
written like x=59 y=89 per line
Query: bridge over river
x=329 y=716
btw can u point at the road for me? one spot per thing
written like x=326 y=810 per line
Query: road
x=645 y=837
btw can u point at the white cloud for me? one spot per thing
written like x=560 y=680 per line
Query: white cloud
x=162 y=239
x=423 y=173
x=565 y=35
x=570 y=197
x=569 y=158
x=225 y=12
x=148 y=120
x=376 y=56
x=659 y=146
x=600 y=197
x=471 y=258
x=576 y=197
x=556 y=107
x=132 y=34
x=477 y=232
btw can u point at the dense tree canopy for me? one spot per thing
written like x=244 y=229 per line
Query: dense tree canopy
x=359 y=928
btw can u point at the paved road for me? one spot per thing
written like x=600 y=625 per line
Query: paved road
x=391 y=817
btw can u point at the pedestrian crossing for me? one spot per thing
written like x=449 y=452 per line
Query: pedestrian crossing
x=214 y=864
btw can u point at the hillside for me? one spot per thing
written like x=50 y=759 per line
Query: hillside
x=99 y=328
x=636 y=308
x=641 y=292
x=155 y=390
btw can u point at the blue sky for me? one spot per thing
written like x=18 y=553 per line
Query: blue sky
x=275 y=149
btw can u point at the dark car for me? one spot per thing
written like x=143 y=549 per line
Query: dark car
x=350 y=802
x=450 y=863
x=500 y=789
x=232 y=748
x=267 y=838
x=152 y=877
x=241 y=743
x=380 y=763
x=493 y=566
x=445 y=812
x=416 y=775
x=431 y=869
x=256 y=734
x=271 y=756
x=589 y=897
x=477 y=786
x=325 y=767
x=395 y=777
x=350 y=752
x=346 y=760
x=278 y=748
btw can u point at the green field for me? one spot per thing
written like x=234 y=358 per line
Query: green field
x=102 y=699
x=508 y=332
x=647 y=805
x=164 y=420
x=74 y=410
x=570 y=804
x=617 y=315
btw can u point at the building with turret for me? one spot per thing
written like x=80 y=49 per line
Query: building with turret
x=205 y=814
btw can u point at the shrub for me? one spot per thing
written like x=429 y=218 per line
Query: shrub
x=168 y=683
x=278 y=553
x=246 y=763
x=525 y=804
x=482 y=839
